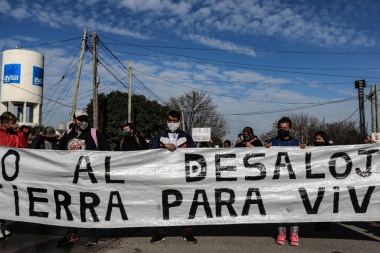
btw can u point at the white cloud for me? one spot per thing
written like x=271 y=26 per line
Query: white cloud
x=5 y=7
x=27 y=38
x=219 y=44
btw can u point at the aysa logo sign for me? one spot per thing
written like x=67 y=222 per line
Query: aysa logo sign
x=12 y=73
x=38 y=76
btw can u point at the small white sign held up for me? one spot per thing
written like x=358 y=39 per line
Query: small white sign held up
x=201 y=134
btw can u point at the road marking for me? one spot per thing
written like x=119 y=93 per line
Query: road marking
x=361 y=231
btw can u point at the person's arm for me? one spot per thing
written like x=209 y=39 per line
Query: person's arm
x=102 y=142
x=256 y=143
x=36 y=142
x=157 y=142
x=143 y=144
x=22 y=139
x=268 y=143
x=62 y=141
x=190 y=142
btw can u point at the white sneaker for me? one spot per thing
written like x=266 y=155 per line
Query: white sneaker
x=4 y=233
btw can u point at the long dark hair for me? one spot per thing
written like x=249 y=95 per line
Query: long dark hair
x=324 y=136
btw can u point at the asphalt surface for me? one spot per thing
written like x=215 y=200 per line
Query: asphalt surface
x=342 y=238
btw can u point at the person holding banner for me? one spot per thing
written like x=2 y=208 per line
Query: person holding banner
x=227 y=144
x=131 y=140
x=321 y=139
x=10 y=136
x=172 y=138
x=247 y=139
x=47 y=140
x=283 y=138
x=82 y=137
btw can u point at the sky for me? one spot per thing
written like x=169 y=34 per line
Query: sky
x=258 y=60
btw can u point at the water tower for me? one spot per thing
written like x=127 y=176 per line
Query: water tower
x=22 y=85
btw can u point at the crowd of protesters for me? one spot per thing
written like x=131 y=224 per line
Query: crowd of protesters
x=79 y=135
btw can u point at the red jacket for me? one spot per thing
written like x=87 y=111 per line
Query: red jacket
x=16 y=139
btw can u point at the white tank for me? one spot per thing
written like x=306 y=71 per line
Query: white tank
x=22 y=85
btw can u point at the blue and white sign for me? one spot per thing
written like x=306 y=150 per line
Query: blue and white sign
x=12 y=73
x=38 y=76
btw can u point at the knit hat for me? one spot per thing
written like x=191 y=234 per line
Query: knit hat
x=49 y=132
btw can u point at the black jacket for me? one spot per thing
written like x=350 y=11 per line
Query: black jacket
x=84 y=141
x=39 y=143
x=132 y=143
x=256 y=143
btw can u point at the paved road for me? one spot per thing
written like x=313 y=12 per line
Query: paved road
x=343 y=238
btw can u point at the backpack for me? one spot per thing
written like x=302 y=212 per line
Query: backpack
x=93 y=134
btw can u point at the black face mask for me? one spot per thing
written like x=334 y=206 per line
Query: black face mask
x=319 y=143
x=10 y=130
x=283 y=133
x=51 y=139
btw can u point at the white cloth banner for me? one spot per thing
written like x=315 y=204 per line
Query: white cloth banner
x=196 y=186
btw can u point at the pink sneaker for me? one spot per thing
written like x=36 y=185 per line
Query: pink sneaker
x=281 y=238
x=294 y=239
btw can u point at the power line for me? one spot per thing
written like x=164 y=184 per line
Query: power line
x=241 y=50
x=237 y=82
x=218 y=94
x=292 y=109
x=149 y=90
x=47 y=43
x=244 y=66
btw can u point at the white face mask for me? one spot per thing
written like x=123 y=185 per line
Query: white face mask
x=173 y=126
x=82 y=125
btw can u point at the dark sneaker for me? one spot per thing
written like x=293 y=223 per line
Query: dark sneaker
x=158 y=238
x=92 y=240
x=189 y=238
x=69 y=238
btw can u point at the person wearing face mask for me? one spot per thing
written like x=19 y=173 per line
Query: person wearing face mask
x=284 y=129
x=148 y=140
x=10 y=136
x=171 y=139
x=322 y=139
x=131 y=140
x=82 y=137
x=247 y=139
x=283 y=138
x=47 y=140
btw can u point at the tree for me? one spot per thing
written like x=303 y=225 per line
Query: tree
x=304 y=126
x=200 y=111
x=148 y=116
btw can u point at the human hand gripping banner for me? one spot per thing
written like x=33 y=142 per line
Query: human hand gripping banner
x=196 y=186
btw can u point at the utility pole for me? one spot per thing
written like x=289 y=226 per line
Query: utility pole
x=129 y=91
x=360 y=85
x=374 y=108
x=83 y=48
x=183 y=117
x=95 y=82
x=371 y=96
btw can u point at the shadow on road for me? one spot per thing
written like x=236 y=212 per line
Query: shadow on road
x=307 y=230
